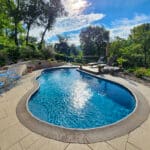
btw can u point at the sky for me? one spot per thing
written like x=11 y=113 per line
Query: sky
x=117 y=16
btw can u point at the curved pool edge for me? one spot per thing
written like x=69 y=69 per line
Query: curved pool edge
x=85 y=136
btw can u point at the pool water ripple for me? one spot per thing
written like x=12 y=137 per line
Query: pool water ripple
x=72 y=99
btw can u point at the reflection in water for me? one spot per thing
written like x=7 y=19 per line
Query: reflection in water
x=73 y=99
x=80 y=94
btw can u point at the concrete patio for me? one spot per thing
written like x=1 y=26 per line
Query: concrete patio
x=14 y=136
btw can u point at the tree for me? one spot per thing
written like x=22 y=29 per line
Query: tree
x=126 y=51
x=116 y=46
x=52 y=10
x=6 y=27
x=48 y=52
x=31 y=11
x=141 y=34
x=94 y=40
x=62 y=47
x=4 y=18
x=73 y=50
x=15 y=12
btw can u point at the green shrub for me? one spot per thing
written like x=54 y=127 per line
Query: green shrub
x=48 y=52
x=78 y=60
x=130 y=70
x=60 y=57
x=147 y=73
x=51 y=60
x=64 y=57
x=13 y=54
x=29 y=52
x=121 y=61
x=140 y=72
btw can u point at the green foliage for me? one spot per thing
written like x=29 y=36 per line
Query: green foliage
x=51 y=10
x=62 y=47
x=66 y=52
x=141 y=34
x=13 y=54
x=74 y=51
x=48 y=52
x=121 y=61
x=30 y=52
x=94 y=41
x=78 y=59
x=140 y=72
x=51 y=60
x=3 y=57
x=64 y=57
x=135 y=49
x=16 y=20
x=17 y=17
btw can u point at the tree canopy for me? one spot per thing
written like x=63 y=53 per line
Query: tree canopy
x=136 y=49
x=94 y=40
x=17 y=17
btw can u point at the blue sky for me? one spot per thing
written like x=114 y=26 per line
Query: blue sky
x=118 y=9
x=118 y=16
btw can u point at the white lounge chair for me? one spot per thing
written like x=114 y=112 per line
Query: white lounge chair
x=100 y=61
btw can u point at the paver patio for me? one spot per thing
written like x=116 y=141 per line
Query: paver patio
x=14 y=136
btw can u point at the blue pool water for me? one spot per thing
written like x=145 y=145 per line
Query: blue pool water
x=72 y=99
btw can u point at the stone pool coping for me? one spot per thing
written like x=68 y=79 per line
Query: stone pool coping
x=118 y=129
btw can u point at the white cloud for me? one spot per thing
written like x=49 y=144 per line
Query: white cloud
x=68 y=24
x=75 y=7
x=122 y=27
x=119 y=28
x=74 y=39
x=75 y=20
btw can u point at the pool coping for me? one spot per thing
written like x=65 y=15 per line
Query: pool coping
x=85 y=136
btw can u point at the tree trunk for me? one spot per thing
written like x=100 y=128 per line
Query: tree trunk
x=16 y=34
x=42 y=38
x=145 y=57
x=107 y=52
x=27 y=36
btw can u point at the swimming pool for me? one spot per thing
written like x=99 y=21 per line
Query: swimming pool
x=72 y=99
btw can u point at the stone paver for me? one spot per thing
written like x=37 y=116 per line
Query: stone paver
x=140 y=137
x=119 y=143
x=78 y=147
x=29 y=140
x=16 y=147
x=7 y=122
x=101 y=146
x=146 y=125
x=38 y=145
x=55 y=145
x=3 y=114
x=131 y=147
x=14 y=136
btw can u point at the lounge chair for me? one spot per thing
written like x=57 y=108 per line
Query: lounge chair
x=8 y=78
x=110 y=69
x=1 y=84
x=3 y=79
x=100 y=61
x=4 y=84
